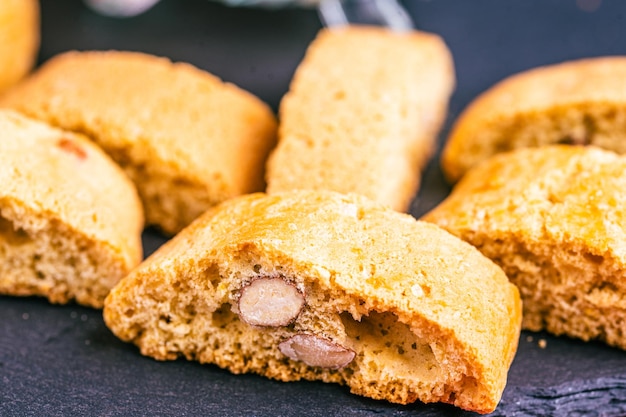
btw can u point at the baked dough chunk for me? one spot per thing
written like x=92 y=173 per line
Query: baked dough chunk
x=362 y=114
x=70 y=219
x=320 y=286
x=185 y=138
x=579 y=102
x=553 y=218
x=19 y=39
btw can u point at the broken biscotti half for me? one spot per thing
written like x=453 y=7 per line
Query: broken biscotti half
x=363 y=119
x=553 y=218
x=320 y=286
x=19 y=39
x=578 y=102
x=70 y=219
x=187 y=139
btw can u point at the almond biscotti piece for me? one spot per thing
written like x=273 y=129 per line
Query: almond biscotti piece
x=187 y=140
x=579 y=102
x=553 y=218
x=19 y=39
x=362 y=114
x=70 y=219
x=322 y=286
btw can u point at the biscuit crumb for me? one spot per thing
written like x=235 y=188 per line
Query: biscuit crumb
x=417 y=290
x=529 y=339
x=542 y=343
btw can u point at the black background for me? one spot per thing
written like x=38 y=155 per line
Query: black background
x=62 y=360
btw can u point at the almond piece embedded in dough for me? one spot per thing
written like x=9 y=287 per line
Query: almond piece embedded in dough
x=270 y=301
x=316 y=351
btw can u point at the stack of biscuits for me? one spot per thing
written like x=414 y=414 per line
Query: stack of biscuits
x=541 y=186
x=105 y=144
x=290 y=255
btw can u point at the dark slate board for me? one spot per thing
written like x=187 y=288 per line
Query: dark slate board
x=62 y=360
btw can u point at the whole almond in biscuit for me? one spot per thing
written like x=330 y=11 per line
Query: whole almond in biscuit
x=396 y=309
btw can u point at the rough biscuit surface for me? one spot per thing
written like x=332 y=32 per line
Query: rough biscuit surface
x=578 y=102
x=70 y=219
x=553 y=219
x=19 y=39
x=362 y=114
x=185 y=138
x=395 y=308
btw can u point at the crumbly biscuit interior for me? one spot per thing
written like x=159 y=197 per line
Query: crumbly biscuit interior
x=43 y=257
x=157 y=183
x=552 y=218
x=567 y=290
x=196 y=315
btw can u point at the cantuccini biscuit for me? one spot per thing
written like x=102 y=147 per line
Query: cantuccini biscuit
x=323 y=286
x=553 y=218
x=579 y=102
x=70 y=219
x=19 y=39
x=362 y=114
x=185 y=138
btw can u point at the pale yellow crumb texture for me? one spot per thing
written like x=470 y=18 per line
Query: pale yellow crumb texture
x=363 y=119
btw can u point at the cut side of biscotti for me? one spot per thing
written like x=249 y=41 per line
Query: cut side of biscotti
x=363 y=119
x=578 y=102
x=187 y=139
x=321 y=286
x=553 y=219
x=43 y=257
x=70 y=219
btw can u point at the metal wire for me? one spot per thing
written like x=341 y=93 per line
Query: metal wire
x=389 y=13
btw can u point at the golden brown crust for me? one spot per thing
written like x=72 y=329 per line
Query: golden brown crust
x=363 y=119
x=428 y=317
x=187 y=139
x=70 y=219
x=553 y=218
x=576 y=102
x=19 y=39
